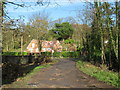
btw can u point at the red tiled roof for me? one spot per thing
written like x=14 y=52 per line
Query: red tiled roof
x=47 y=46
x=51 y=45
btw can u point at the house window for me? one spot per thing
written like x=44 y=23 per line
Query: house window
x=49 y=49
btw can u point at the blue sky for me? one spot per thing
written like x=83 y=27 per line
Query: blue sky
x=66 y=9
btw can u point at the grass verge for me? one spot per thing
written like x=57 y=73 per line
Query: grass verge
x=23 y=81
x=102 y=75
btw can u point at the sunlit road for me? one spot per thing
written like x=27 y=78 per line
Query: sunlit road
x=64 y=74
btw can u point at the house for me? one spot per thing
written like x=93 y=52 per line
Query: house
x=50 y=46
x=47 y=46
x=33 y=47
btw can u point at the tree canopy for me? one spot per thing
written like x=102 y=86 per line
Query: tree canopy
x=62 y=31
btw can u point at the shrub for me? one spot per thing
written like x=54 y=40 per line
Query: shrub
x=14 y=53
x=64 y=54
x=69 y=41
x=56 y=54
x=70 y=54
x=46 y=53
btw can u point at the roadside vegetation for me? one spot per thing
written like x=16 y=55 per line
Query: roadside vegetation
x=103 y=74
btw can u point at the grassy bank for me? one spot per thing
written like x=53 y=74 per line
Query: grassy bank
x=23 y=81
x=101 y=74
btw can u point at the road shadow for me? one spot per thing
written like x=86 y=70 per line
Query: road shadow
x=18 y=66
x=10 y=72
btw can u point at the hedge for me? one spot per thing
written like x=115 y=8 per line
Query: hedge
x=14 y=53
x=55 y=54
x=62 y=54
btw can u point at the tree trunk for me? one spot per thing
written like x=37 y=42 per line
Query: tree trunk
x=1 y=21
x=119 y=40
x=99 y=19
x=117 y=26
x=7 y=47
x=110 y=61
x=1 y=11
x=13 y=40
x=21 y=44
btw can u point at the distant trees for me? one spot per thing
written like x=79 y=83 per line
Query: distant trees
x=80 y=32
x=17 y=36
x=9 y=34
x=39 y=26
x=62 y=31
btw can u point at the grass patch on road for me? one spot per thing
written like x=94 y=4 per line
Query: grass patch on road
x=102 y=75
x=38 y=68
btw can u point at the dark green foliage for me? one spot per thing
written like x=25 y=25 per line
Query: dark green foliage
x=62 y=31
x=57 y=54
x=69 y=41
x=70 y=54
x=46 y=54
x=65 y=54
x=101 y=44
x=62 y=54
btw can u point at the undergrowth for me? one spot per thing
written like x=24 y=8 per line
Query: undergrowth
x=101 y=74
